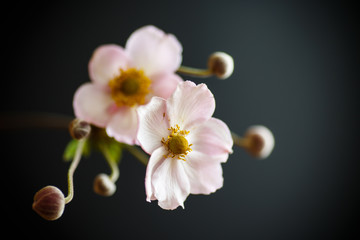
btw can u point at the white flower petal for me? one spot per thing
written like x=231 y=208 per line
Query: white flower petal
x=123 y=125
x=213 y=137
x=156 y=158
x=154 y=51
x=164 y=85
x=171 y=184
x=205 y=172
x=153 y=124
x=92 y=104
x=106 y=62
x=190 y=104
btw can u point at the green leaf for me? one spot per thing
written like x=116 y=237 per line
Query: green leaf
x=71 y=147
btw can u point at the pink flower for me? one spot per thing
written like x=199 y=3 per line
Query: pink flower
x=187 y=145
x=124 y=78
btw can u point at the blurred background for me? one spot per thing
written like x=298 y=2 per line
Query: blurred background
x=296 y=72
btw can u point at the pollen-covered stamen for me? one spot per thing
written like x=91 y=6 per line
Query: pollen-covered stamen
x=130 y=87
x=177 y=144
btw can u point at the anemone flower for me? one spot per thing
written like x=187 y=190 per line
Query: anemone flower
x=123 y=79
x=187 y=145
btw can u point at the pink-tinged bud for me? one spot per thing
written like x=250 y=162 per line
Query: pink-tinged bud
x=221 y=64
x=103 y=185
x=49 y=203
x=79 y=129
x=261 y=141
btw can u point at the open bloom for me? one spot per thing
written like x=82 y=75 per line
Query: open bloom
x=124 y=78
x=187 y=145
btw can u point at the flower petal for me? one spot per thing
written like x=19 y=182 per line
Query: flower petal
x=92 y=104
x=166 y=180
x=212 y=137
x=106 y=62
x=190 y=104
x=153 y=124
x=154 y=51
x=123 y=125
x=163 y=85
x=204 y=172
x=156 y=158
x=171 y=184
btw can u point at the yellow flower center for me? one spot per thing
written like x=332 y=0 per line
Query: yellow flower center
x=176 y=143
x=130 y=87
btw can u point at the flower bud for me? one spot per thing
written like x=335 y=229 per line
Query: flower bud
x=103 y=185
x=49 y=203
x=79 y=129
x=261 y=141
x=221 y=64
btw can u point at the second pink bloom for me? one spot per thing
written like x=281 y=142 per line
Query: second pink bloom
x=124 y=78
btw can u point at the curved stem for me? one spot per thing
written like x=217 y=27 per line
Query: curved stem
x=115 y=173
x=141 y=156
x=195 y=72
x=72 y=169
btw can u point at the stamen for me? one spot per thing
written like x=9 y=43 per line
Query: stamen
x=130 y=88
x=176 y=143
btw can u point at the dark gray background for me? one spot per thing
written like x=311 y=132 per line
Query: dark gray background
x=296 y=71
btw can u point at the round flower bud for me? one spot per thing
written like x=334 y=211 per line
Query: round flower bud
x=79 y=129
x=221 y=64
x=103 y=185
x=49 y=203
x=261 y=141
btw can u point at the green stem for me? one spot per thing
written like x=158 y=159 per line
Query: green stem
x=72 y=169
x=115 y=172
x=136 y=152
x=195 y=72
x=240 y=141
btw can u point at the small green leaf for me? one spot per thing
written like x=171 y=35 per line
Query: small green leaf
x=70 y=150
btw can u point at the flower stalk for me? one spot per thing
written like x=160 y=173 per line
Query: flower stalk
x=219 y=64
x=240 y=141
x=194 y=72
x=115 y=172
x=72 y=169
x=136 y=152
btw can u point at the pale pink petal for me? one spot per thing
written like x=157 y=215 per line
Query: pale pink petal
x=163 y=85
x=123 y=125
x=106 y=62
x=156 y=159
x=204 y=172
x=154 y=51
x=190 y=104
x=170 y=183
x=212 y=137
x=92 y=104
x=153 y=124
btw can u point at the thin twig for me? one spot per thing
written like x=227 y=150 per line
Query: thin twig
x=26 y=120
